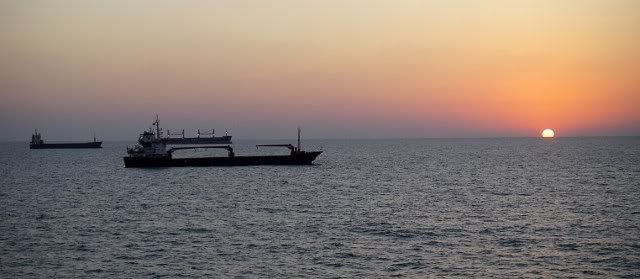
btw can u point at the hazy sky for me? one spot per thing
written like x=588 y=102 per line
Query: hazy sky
x=340 y=69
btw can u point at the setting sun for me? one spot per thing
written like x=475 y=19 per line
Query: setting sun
x=548 y=133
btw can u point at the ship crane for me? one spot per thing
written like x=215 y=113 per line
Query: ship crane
x=290 y=146
x=199 y=133
x=181 y=136
x=211 y=133
x=169 y=133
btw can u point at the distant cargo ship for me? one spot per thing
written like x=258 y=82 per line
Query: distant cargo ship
x=151 y=151
x=201 y=138
x=38 y=143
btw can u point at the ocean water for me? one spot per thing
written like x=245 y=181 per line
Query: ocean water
x=568 y=207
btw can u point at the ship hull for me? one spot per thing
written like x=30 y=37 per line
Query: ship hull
x=305 y=158
x=96 y=144
x=203 y=140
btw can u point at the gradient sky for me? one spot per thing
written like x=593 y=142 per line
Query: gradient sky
x=340 y=69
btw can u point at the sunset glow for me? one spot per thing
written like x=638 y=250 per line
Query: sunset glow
x=408 y=68
x=548 y=133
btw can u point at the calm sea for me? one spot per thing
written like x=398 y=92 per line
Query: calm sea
x=568 y=207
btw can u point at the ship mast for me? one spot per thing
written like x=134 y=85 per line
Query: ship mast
x=298 y=138
x=157 y=123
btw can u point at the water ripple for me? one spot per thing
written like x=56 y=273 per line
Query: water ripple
x=505 y=208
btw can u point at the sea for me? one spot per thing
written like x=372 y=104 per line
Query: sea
x=413 y=208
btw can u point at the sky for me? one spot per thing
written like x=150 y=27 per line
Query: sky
x=337 y=68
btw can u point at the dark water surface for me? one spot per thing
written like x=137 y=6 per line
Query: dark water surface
x=508 y=208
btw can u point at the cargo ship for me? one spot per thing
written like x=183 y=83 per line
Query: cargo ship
x=151 y=151
x=38 y=143
x=201 y=138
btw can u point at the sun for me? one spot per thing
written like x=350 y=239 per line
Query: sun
x=548 y=133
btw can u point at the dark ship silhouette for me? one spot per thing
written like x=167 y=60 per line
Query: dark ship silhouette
x=38 y=143
x=151 y=151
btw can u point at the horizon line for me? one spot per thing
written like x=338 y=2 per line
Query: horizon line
x=384 y=138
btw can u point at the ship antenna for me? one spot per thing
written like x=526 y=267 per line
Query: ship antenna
x=298 y=138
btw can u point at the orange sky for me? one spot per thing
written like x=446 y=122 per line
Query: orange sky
x=339 y=68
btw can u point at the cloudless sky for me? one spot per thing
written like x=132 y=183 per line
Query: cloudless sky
x=339 y=69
